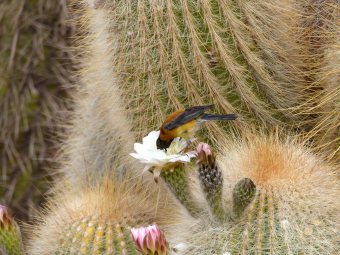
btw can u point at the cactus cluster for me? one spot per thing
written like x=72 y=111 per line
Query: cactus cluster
x=252 y=193
x=274 y=202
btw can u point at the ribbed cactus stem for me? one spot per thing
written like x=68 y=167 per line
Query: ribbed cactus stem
x=259 y=231
x=212 y=183
x=95 y=236
x=211 y=180
x=10 y=241
x=10 y=236
x=243 y=193
x=176 y=179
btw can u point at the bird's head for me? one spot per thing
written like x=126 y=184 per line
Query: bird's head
x=163 y=144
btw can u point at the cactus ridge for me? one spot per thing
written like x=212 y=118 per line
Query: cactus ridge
x=98 y=219
x=262 y=230
x=95 y=236
x=176 y=180
x=243 y=193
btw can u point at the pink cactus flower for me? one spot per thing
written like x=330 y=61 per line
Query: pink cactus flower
x=150 y=240
x=203 y=148
x=204 y=153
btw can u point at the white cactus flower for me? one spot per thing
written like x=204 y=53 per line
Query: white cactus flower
x=148 y=153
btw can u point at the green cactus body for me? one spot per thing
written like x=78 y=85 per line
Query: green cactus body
x=99 y=219
x=243 y=193
x=259 y=231
x=194 y=52
x=212 y=185
x=263 y=230
x=10 y=239
x=176 y=179
x=95 y=236
x=285 y=206
x=216 y=204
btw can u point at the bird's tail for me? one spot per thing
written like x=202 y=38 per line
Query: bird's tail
x=219 y=117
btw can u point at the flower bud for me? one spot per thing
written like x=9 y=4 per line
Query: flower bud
x=150 y=240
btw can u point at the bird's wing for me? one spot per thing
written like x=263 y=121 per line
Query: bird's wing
x=186 y=116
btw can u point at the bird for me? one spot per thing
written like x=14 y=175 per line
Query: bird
x=185 y=122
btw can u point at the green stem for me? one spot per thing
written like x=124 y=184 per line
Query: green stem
x=176 y=179
x=215 y=202
x=243 y=193
x=212 y=185
x=10 y=240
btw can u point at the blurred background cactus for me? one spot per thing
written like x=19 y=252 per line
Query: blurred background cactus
x=35 y=70
x=275 y=63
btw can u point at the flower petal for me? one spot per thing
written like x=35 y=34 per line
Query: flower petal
x=148 y=153
x=150 y=139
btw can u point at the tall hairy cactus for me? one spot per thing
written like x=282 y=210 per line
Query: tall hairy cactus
x=146 y=58
x=265 y=60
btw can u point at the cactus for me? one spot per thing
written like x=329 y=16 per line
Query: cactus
x=243 y=56
x=240 y=55
x=98 y=219
x=10 y=236
x=243 y=193
x=211 y=180
x=177 y=181
x=137 y=70
x=283 y=203
x=95 y=236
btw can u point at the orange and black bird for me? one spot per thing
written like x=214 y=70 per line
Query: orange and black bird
x=184 y=123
